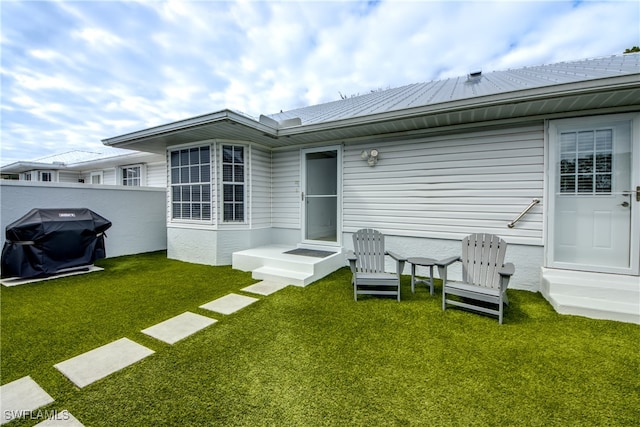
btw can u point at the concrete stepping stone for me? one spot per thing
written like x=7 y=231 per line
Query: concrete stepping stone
x=229 y=303
x=265 y=288
x=98 y=363
x=61 y=419
x=178 y=327
x=20 y=398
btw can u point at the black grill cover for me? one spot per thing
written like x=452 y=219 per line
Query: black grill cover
x=45 y=241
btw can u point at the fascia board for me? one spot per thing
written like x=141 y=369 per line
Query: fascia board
x=526 y=95
x=19 y=167
x=189 y=123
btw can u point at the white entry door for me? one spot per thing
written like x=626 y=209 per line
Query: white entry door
x=321 y=205
x=593 y=208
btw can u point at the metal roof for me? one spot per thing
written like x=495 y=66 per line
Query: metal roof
x=465 y=87
x=608 y=84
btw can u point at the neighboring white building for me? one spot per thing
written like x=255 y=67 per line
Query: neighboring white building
x=107 y=167
x=454 y=157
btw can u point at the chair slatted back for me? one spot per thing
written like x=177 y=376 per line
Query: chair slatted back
x=482 y=257
x=368 y=246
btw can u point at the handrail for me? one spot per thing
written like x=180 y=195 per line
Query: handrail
x=523 y=213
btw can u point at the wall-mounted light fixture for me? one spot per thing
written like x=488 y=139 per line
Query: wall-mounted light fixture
x=370 y=156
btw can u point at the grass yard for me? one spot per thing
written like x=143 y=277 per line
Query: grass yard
x=312 y=356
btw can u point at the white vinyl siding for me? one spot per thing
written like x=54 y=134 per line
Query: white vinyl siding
x=450 y=186
x=260 y=188
x=156 y=175
x=70 y=177
x=286 y=189
x=109 y=177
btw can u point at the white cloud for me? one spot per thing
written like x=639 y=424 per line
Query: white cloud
x=77 y=72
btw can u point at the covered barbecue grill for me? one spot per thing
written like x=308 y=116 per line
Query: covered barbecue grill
x=47 y=241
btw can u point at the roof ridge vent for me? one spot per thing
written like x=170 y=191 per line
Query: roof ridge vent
x=474 y=76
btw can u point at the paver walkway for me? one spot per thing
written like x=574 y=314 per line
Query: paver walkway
x=93 y=365
x=179 y=327
x=21 y=397
x=61 y=419
x=264 y=288
x=229 y=303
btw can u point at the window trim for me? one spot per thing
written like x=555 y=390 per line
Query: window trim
x=141 y=176
x=170 y=186
x=99 y=174
x=245 y=184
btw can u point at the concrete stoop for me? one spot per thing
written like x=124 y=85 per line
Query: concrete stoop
x=593 y=295
x=272 y=264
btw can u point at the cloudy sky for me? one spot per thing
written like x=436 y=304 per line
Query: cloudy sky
x=76 y=72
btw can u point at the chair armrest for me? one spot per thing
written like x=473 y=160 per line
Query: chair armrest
x=352 y=258
x=395 y=256
x=447 y=261
x=507 y=270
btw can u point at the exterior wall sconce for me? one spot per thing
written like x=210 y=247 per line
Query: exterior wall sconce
x=370 y=156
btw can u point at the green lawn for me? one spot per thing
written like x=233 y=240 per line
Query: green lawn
x=312 y=356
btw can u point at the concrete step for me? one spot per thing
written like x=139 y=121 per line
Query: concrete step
x=595 y=308
x=280 y=275
x=594 y=295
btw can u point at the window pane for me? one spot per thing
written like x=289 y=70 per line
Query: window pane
x=205 y=174
x=603 y=183
x=184 y=174
x=206 y=211
x=239 y=214
x=604 y=140
x=175 y=158
x=585 y=164
x=238 y=154
x=227 y=154
x=195 y=193
x=195 y=174
x=176 y=194
x=186 y=193
x=228 y=193
x=195 y=211
x=184 y=157
x=227 y=173
x=176 y=210
x=194 y=156
x=239 y=193
x=175 y=176
x=568 y=184
x=204 y=155
x=568 y=142
x=206 y=193
x=585 y=183
x=568 y=163
x=603 y=162
x=239 y=173
x=585 y=141
x=228 y=212
x=186 y=211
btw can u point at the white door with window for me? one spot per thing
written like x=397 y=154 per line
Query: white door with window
x=593 y=200
x=321 y=201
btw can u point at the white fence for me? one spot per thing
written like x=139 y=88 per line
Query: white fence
x=138 y=214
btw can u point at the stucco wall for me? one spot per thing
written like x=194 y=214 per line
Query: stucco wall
x=137 y=214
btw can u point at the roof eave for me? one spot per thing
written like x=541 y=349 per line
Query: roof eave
x=526 y=95
x=207 y=119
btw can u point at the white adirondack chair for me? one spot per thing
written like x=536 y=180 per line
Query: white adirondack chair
x=367 y=265
x=485 y=276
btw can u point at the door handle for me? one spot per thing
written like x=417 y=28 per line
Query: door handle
x=638 y=193
x=624 y=204
x=302 y=195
